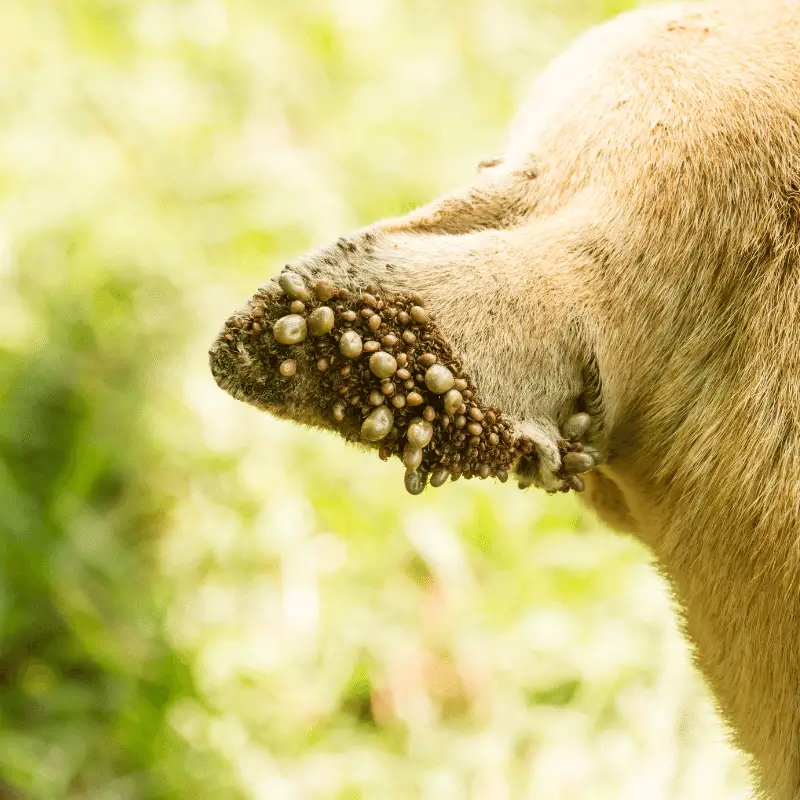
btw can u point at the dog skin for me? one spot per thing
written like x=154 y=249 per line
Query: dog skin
x=635 y=253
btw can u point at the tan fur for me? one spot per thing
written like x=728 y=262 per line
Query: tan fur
x=637 y=248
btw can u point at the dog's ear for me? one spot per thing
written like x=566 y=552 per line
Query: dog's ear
x=496 y=309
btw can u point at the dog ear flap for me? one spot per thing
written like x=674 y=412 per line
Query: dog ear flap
x=496 y=199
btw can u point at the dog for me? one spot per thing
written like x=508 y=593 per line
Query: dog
x=630 y=261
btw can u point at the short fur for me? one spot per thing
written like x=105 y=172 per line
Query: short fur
x=636 y=250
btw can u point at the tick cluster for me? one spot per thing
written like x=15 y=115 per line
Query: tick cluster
x=382 y=366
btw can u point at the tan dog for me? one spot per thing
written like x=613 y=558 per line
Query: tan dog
x=635 y=254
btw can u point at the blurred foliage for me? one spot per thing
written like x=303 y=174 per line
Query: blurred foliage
x=199 y=601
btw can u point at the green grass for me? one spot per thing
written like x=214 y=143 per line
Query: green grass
x=199 y=601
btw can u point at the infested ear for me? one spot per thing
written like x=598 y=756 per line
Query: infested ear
x=376 y=367
x=372 y=366
x=466 y=284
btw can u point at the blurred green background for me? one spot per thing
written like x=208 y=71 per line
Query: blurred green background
x=197 y=601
